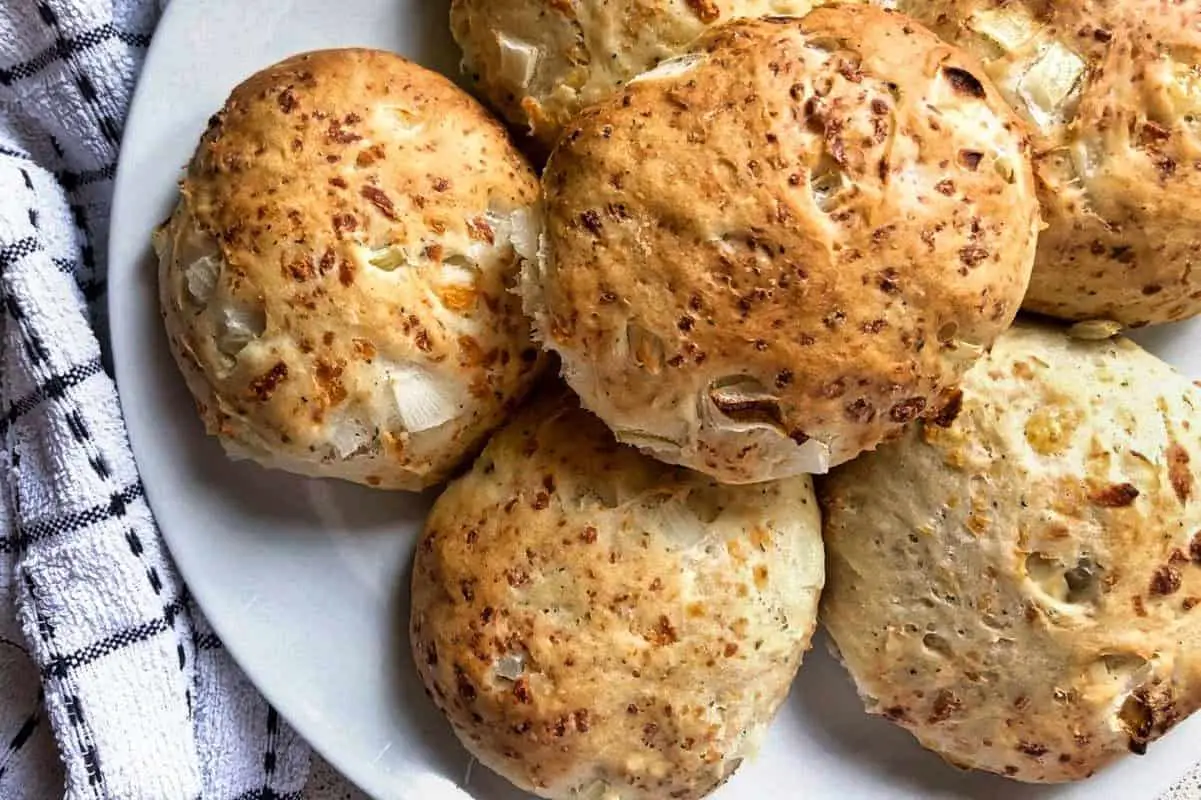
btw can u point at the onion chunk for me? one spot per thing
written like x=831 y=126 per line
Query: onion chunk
x=510 y=666
x=518 y=60
x=1007 y=28
x=1049 y=83
x=422 y=402
x=202 y=276
x=238 y=327
x=671 y=68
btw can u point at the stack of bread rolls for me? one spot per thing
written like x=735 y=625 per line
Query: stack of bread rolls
x=772 y=240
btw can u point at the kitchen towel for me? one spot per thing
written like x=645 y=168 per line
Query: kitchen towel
x=111 y=683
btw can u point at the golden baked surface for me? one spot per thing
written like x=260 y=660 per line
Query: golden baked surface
x=1112 y=91
x=598 y=624
x=335 y=279
x=1018 y=584
x=541 y=61
x=765 y=257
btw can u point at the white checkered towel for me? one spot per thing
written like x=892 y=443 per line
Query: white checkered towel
x=101 y=651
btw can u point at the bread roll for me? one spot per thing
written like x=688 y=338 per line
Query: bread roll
x=1112 y=92
x=763 y=258
x=1017 y=583
x=336 y=277
x=596 y=624
x=541 y=61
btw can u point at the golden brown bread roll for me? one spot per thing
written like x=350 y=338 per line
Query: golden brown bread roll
x=597 y=624
x=763 y=258
x=541 y=61
x=1112 y=92
x=1017 y=584
x=336 y=277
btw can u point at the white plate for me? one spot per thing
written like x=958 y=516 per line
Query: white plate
x=307 y=581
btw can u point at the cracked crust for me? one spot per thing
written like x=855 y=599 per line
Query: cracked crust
x=597 y=624
x=766 y=257
x=1119 y=159
x=335 y=279
x=1017 y=586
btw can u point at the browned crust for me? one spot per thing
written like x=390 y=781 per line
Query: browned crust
x=686 y=211
x=1124 y=232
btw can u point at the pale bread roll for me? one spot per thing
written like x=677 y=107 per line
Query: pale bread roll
x=1017 y=583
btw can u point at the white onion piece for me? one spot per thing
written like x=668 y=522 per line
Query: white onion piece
x=239 y=327
x=1008 y=28
x=349 y=436
x=1050 y=81
x=675 y=521
x=543 y=263
x=670 y=68
x=518 y=59
x=525 y=232
x=510 y=666
x=422 y=402
x=960 y=351
x=201 y=276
